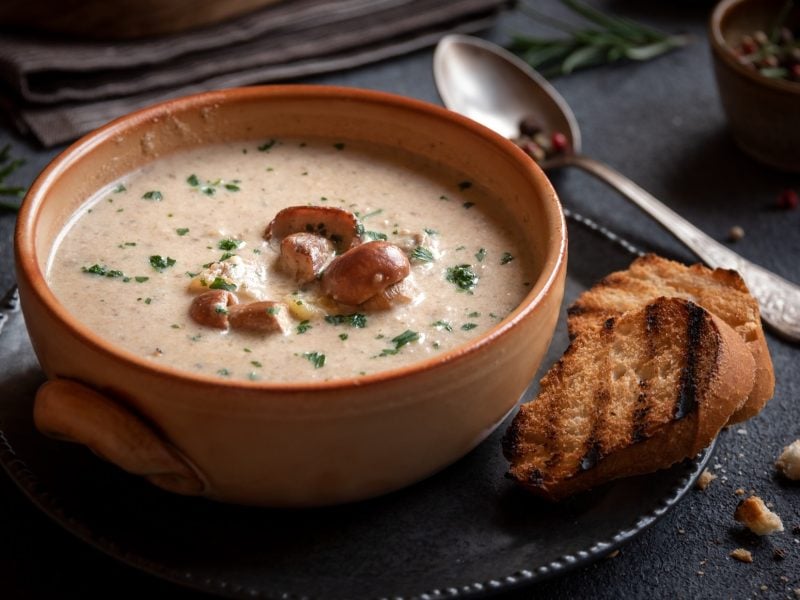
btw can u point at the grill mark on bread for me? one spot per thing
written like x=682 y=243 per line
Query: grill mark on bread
x=593 y=446
x=639 y=420
x=686 y=401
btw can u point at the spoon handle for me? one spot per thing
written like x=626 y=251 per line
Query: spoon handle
x=778 y=298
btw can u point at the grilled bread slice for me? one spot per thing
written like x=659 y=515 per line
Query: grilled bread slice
x=646 y=390
x=720 y=291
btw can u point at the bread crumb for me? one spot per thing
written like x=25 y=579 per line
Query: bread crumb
x=613 y=554
x=740 y=492
x=754 y=514
x=788 y=462
x=779 y=554
x=764 y=587
x=705 y=479
x=742 y=555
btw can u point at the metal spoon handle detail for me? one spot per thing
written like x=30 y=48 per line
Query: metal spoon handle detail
x=778 y=299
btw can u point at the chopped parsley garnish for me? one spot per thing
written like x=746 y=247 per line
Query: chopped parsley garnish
x=506 y=258
x=255 y=363
x=468 y=326
x=208 y=190
x=339 y=146
x=399 y=341
x=232 y=187
x=141 y=279
x=480 y=254
x=343 y=336
x=148 y=300
x=181 y=231
x=153 y=195
x=443 y=197
x=273 y=310
x=357 y=320
x=175 y=326
x=377 y=211
x=120 y=188
x=315 y=358
x=253 y=376
x=375 y=235
x=303 y=326
x=422 y=254
x=462 y=276
x=267 y=146
x=430 y=231
x=159 y=263
x=474 y=314
x=223 y=372
x=102 y=271
x=221 y=309
x=225 y=256
x=229 y=244
x=443 y=325
x=464 y=185
x=192 y=180
x=220 y=284
x=468 y=204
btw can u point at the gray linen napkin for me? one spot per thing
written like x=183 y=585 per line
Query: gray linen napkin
x=61 y=90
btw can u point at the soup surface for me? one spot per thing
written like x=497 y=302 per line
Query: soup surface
x=136 y=255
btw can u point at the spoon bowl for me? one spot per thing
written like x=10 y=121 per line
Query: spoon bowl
x=488 y=84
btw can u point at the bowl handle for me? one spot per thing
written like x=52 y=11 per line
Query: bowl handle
x=70 y=411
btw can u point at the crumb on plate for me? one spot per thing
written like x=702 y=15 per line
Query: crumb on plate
x=754 y=514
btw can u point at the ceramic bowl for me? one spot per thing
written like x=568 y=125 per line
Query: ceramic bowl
x=277 y=444
x=763 y=113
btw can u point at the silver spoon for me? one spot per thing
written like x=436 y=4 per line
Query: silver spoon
x=484 y=82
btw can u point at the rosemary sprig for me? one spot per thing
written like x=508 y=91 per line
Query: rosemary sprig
x=7 y=167
x=605 y=39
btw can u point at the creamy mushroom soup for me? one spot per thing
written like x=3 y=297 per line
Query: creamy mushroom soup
x=194 y=261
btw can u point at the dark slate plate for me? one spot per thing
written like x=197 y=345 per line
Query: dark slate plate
x=466 y=531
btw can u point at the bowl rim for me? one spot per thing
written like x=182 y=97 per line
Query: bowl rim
x=724 y=52
x=27 y=264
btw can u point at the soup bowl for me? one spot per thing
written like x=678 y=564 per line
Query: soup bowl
x=274 y=443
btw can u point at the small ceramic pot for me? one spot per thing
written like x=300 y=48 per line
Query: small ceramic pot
x=763 y=113
x=280 y=444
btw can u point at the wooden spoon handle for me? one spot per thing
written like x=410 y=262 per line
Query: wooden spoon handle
x=70 y=411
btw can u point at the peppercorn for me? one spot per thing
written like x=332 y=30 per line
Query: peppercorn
x=735 y=233
x=788 y=199
x=529 y=126
x=559 y=142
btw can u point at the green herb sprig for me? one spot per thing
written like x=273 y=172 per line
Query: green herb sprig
x=604 y=39
x=7 y=167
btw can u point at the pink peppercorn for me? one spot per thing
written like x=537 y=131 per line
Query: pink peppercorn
x=788 y=199
x=559 y=141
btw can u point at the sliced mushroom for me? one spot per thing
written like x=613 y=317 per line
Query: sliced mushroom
x=211 y=308
x=364 y=271
x=335 y=224
x=260 y=317
x=304 y=256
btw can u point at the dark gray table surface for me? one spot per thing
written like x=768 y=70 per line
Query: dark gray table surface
x=660 y=123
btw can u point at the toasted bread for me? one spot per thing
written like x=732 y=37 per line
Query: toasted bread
x=720 y=291
x=648 y=389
